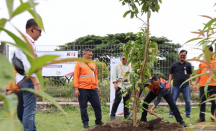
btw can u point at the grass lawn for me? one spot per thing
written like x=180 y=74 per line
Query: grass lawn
x=54 y=120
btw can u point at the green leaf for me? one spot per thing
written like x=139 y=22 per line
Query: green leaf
x=6 y=72
x=25 y=51
x=68 y=60
x=2 y=23
x=137 y=88
x=132 y=15
x=207 y=55
x=10 y=7
x=144 y=8
x=192 y=40
x=10 y=103
x=19 y=42
x=37 y=18
x=208 y=124
x=23 y=7
x=40 y=79
x=40 y=62
x=193 y=77
x=209 y=23
x=126 y=13
x=149 y=14
x=126 y=74
x=46 y=96
x=206 y=86
x=9 y=125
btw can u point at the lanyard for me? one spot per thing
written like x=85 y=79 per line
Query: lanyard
x=32 y=43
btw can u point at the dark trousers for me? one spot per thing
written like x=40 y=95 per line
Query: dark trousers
x=92 y=96
x=169 y=99
x=117 y=101
x=211 y=91
x=20 y=105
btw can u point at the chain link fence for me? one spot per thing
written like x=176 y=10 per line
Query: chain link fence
x=60 y=86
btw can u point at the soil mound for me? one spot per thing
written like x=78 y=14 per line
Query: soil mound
x=119 y=125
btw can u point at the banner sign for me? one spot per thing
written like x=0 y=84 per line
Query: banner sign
x=62 y=69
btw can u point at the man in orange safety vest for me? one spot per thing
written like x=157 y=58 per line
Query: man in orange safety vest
x=86 y=88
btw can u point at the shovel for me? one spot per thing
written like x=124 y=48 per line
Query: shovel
x=154 y=121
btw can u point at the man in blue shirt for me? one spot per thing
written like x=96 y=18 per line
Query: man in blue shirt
x=160 y=88
x=180 y=71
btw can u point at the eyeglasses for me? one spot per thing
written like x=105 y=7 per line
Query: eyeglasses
x=123 y=59
x=38 y=30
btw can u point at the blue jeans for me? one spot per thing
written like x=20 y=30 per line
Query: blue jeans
x=29 y=105
x=186 y=94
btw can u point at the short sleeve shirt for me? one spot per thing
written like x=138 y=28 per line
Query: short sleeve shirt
x=180 y=73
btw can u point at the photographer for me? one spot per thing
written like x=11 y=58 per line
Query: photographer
x=119 y=83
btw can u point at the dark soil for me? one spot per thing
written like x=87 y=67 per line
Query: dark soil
x=118 y=125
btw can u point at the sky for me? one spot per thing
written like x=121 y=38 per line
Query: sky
x=67 y=20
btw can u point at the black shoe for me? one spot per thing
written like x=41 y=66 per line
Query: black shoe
x=183 y=123
x=112 y=118
x=188 y=116
x=143 y=120
x=200 y=120
x=99 y=123
x=85 y=125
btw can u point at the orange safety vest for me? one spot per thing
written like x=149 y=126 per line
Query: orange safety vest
x=158 y=90
x=122 y=72
x=204 y=78
x=13 y=84
x=84 y=77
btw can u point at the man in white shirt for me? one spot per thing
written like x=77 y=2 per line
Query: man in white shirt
x=120 y=82
x=33 y=32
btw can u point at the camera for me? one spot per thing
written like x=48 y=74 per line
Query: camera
x=125 y=80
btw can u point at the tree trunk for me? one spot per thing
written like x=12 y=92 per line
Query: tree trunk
x=3 y=49
x=136 y=92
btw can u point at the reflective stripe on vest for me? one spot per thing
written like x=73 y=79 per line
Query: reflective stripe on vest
x=122 y=72
x=86 y=75
x=89 y=75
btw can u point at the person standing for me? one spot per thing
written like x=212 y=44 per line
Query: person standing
x=179 y=72
x=120 y=82
x=33 y=32
x=86 y=88
x=211 y=87
x=160 y=88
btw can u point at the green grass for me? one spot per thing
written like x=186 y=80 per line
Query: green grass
x=54 y=120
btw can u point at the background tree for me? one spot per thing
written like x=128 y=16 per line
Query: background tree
x=106 y=47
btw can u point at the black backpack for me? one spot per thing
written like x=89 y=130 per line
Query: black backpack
x=18 y=65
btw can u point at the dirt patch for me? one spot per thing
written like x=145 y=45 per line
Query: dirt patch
x=119 y=125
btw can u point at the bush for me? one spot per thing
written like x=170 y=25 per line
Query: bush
x=102 y=70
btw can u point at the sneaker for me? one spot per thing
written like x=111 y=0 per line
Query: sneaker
x=188 y=116
x=200 y=120
x=99 y=123
x=183 y=123
x=170 y=116
x=143 y=120
x=85 y=125
x=112 y=118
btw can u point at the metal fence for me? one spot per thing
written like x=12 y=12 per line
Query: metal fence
x=63 y=86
